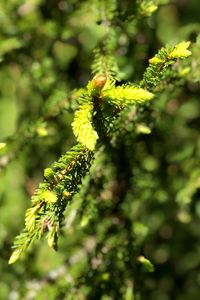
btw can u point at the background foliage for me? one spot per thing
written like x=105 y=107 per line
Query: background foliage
x=142 y=207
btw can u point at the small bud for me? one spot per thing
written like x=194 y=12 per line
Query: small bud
x=48 y=173
x=99 y=81
x=155 y=60
x=96 y=85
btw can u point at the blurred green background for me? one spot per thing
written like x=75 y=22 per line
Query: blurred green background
x=46 y=50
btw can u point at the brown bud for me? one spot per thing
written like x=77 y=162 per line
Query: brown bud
x=99 y=81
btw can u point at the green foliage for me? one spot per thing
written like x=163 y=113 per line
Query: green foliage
x=82 y=126
x=122 y=206
x=9 y=45
x=50 y=199
x=146 y=7
x=102 y=91
x=124 y=95
x=159 y=64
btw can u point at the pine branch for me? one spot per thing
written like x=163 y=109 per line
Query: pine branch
x=104 y=63
x=60 y=183
x=136 y=10
x=62 y=180
x=161 y=62
x=83 y=125
x=104 y=59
